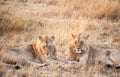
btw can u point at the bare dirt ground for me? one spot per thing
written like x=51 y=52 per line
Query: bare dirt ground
x=21 y=21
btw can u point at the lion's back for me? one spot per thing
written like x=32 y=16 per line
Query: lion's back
x=20 y=52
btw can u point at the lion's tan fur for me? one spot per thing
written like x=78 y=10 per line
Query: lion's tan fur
x=29 y=54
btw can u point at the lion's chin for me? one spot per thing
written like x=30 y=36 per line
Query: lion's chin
x=47 y=55
x=78 y=51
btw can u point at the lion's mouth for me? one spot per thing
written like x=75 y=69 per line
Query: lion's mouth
x=79 y=50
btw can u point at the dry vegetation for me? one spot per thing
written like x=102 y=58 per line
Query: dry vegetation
x=21 y=21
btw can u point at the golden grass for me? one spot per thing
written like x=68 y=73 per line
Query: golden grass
x=91 y=8
x=22 y=22
x=99 y=9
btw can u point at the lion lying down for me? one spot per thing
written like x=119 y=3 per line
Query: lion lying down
x=32 y=54
x=81 y=50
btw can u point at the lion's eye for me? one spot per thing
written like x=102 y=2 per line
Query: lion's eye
x=44 y=46
x=75 y=42
x=49 y=46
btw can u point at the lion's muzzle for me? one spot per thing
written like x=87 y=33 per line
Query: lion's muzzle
x=78 y=50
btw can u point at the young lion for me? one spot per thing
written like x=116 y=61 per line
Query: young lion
x=77 y=47
x=88 y=54
x=32 y=54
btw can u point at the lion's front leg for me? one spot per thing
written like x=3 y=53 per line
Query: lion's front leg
x=70 y=58
x=54 y=55
x=25 y=62
x=44 y=60
x=37 y=64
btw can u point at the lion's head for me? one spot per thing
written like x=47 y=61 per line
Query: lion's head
x=46 y=46
x=79 y=43
x=89 y=54
x=78 y=46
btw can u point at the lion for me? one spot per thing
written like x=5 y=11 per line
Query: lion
x=31 y=54
x=77 y=47
x=80 y=49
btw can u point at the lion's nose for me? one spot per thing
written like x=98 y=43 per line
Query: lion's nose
x=47 y=54
x=109 y=65
x=78 y=49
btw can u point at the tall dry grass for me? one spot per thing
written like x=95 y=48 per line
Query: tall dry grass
x=58 y=17
x=91 y=8
x=21 y=21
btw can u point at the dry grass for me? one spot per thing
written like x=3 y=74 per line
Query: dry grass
x=21 y=21
x=91 y=8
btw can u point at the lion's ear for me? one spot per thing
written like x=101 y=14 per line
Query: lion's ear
x=73 y=36
x=87 y=36
x=52 y=37
x=79 y=34
x=40 y=38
